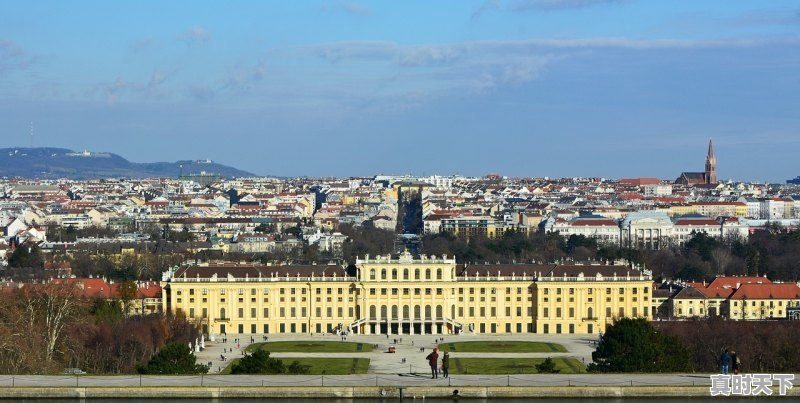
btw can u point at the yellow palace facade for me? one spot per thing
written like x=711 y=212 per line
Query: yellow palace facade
x=407 y=295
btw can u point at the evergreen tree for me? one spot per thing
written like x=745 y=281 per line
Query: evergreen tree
x=26 y=256
x=634 y=345
x=548 y=366
x=173 y=359
x=258 y=363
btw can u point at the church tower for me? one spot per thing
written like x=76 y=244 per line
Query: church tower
x=711 y=165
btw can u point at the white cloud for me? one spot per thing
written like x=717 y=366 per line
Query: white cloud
x=159 y=77
x=196 y=35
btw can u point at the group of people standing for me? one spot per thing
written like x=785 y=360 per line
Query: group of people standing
x=433 y=361
x=729 y=362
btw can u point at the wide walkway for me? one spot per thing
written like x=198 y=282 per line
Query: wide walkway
x=408 y=347
x=617 y=380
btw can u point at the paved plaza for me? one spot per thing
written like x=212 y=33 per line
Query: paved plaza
x=407 y=347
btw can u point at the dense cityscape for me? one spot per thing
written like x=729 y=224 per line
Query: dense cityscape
x=353 y=199
x=408 y=255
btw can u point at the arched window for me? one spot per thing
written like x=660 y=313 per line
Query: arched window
x=372 y=312
x=383 y=312
x=372 y=274
x=591 y=312
x=452 y=311
x=405 y=274
x=416 y=274
x=439 y=311
x=427 y=274
x=438 y=274
x=394 y=311
x=383 y=274
x=222 y=313
x=394 y=274
x=417 y=313
x=427 y=311
x=406 y=312
x=358 y=311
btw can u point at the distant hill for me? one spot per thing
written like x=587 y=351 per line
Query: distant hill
x=51 y=163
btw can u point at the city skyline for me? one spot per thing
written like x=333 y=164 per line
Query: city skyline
x=570 y=88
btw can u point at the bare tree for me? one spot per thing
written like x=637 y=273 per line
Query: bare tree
x=128 y=291
x=721 y=258
x=50 y=307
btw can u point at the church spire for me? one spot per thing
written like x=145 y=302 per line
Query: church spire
x=711 y=164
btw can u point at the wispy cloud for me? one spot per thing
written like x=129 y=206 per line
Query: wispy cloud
x=245 y=78
x=486 y=6
x=430 y=55
x=196 y=36
x=159 y=77
x=13 y=57
x=113 y=90
x=549 y=5
x=366 y=73
x=334 y=52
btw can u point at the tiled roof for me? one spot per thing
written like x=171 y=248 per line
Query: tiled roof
x=694 y=221
x=733 y=282
x=767 y=291
x=689 y=293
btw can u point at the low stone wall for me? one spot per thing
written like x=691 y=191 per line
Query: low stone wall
x=358 y=392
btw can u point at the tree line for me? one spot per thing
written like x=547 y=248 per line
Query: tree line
x=774 y=252
x=637 y=345
x=45 y=328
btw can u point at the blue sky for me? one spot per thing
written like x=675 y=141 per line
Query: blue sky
x=519 y=87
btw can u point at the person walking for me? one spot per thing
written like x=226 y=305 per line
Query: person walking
x=445 y=364
x=725 y=362
x=433 y=361
x=735 y=362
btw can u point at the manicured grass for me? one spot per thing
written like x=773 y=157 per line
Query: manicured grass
x=502 y=347
x=322 y=366
x=510 y=366
x=310 y=346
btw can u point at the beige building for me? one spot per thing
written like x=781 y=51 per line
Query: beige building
x=407 y=295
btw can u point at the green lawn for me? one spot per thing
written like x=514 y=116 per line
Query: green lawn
x=509 y=366
x=502 y=347
x=322 y=366
x=311 y=347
